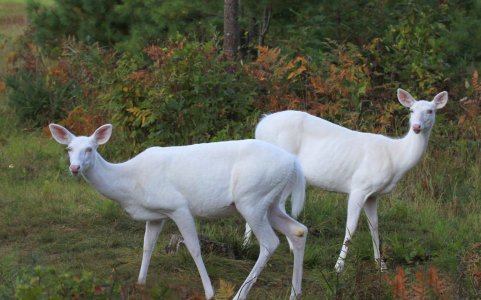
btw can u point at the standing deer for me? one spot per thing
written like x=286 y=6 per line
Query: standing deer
x=251 y=177
x=363 y=165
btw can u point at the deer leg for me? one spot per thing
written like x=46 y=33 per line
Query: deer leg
x=247 y=235
x=268 y=242
x=370 y=208
x=296 y=234
x=152 y=231
x=354 y=207
x=185 y=222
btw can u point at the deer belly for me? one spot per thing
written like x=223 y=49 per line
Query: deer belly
x=328 y=178
x=212 y=210
x=140 y=213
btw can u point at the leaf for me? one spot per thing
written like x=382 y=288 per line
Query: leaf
x=226 y=290
x=296 y=72
x=144 y=117
x=398 y=284
x=419 y=289
x=475 y=81
x=268 y=56
x=438 y=286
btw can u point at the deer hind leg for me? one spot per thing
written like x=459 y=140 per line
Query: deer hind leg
x=268 y=242
x=296 y=234
x=248 y=233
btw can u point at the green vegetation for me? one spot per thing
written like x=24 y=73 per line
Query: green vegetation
x=161 y=79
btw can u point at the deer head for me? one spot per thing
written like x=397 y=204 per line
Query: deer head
x=81 y=150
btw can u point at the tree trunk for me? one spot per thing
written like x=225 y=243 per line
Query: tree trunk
x=231 y=28
x=264 y=24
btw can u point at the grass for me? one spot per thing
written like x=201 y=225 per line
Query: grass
x=12 y=17
x=48 y=218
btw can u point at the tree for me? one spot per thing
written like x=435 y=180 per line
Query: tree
x=231 y=28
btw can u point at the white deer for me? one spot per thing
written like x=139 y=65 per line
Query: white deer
x=363 y=165
x=251 y=177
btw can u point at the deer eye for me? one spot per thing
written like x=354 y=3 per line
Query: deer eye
x=88 y=150
x=411 y=111
x=430 y=111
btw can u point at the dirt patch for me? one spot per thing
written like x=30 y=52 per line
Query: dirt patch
x=13 y=20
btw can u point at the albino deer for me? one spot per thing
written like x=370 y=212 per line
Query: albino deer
x=363 y=165
x=205 y=180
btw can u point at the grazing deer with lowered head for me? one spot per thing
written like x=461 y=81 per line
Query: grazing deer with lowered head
x=363 y=165
x=251 y=177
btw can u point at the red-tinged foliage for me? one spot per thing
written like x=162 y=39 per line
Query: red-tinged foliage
x=424 y=286
x=472 y=261
x=470 y=120
x=161 y=55
x=81 y=121
x=172 y=80
x=397 y=284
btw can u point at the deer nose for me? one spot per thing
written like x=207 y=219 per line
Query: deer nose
x=417 y=128
x=74 y=169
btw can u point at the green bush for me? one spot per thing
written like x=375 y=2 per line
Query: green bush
x=8 y=273
x=88 y=21
x=157 y=21
x=29 y=91
x=130 y=24
x=185 y=93
x=47 y=283
x=412 y=52
x=42 y=90
x=37 y=100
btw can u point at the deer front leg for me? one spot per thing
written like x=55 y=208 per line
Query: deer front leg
x=247 y=236
x=185 y=222
x=370 y=208
x=354 y=207
x=152 y=231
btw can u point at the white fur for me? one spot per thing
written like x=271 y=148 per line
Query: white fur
x=363 y=165
x=205 y=180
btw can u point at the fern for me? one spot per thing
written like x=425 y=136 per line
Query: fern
x=438 y=285
x=427 y=285
x=398 y=284
x=475 y=81
x=225 y=291
x=419 y=289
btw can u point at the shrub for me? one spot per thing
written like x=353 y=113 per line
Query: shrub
x=34 y=101
x=36 y=94
x=154 y=22
x=47 y=283
x=412 y=51
x=42 y=90
x=184 y=93
x=88 y=21
x=131 y=24
x=428 y=285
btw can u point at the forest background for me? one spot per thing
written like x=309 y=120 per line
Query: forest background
x=160 y=72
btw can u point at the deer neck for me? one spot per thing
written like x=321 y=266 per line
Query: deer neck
x=110 y=180
x=410 y=149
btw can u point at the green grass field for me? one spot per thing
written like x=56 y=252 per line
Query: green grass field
x=48 y=218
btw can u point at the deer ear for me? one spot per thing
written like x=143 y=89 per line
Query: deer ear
x=405 y=98
x=60 y=134
x=102 y=134
x=441 y=99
